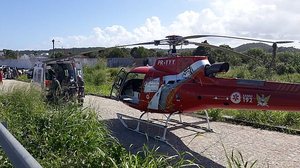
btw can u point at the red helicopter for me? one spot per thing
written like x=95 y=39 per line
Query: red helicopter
x=185 y=84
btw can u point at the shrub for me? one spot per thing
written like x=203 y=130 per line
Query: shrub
x=101 y=64
x=113 y=73
x=260 y=73
x=23 y=78
x=99 y=77
x=215 y=114
x=292 y=119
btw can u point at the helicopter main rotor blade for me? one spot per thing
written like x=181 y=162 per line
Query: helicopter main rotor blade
x=91 y=51
x=145 y=43
x=223 y=49
x=240 y=38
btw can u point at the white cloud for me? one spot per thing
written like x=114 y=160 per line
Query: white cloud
x=255 y=18
x=184 y=23
x=269 y=19
x=151 y=30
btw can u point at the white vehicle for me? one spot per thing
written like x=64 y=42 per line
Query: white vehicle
x=67 y=72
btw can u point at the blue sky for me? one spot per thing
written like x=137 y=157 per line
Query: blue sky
x=31 y=24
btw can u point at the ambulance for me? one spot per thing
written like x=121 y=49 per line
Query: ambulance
x=67 y=71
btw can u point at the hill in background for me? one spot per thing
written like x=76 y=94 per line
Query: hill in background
x=74 y=51
x=67 y=51
x=265 y=47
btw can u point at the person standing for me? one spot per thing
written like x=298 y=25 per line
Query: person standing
x=80 y=84
x=1 y=77
x=55 y=89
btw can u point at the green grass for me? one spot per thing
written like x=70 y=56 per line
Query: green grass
x=23 y=78
x=273 y=118
x=69 y=136
x=237 y=160
x=260 y=73
x=99 y=79
x=103 y=89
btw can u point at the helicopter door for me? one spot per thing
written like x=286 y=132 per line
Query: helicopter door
x=131 y=88
x=116 y=88
x=38 y=76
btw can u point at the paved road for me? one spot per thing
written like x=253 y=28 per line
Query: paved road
x=271 y=149
x=9 y=85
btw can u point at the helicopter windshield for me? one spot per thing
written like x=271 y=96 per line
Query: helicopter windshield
x=132 y=87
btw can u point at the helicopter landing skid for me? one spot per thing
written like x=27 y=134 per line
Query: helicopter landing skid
x=163 y=126
x=140 y=121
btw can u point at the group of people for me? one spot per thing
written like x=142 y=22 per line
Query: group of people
x=66 y=88
x=9 y=72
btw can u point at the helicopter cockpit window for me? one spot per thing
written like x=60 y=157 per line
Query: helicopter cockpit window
x=152 y=85
x=132 y=87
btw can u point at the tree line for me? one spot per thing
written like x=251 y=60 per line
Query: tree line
x=287 y=60
x=10 y=54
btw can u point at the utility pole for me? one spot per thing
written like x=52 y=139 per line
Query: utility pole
x=53 y=46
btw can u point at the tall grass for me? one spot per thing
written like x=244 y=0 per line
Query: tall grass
x=237 y=160
x=69 y=136
x=23 y=78
x=273 y=118
x=99 y=79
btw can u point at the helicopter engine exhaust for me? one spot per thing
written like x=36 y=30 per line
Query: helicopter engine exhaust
x=216 y=67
